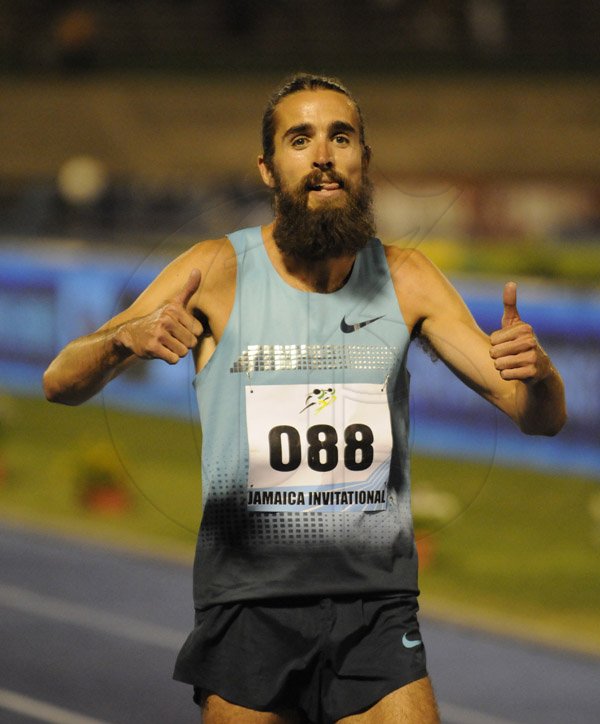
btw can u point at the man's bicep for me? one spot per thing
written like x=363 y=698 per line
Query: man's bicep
x=457 y=339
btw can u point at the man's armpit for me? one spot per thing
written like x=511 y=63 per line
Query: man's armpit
x=424 y=342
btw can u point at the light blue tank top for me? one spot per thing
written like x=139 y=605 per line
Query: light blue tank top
x=305 y=461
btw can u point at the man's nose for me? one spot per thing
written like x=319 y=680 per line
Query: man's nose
x=323 y=158
x=323 y=165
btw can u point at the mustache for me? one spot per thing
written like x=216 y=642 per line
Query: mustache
x=317 y=177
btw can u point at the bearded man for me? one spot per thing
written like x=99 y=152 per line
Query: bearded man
x=305 y=579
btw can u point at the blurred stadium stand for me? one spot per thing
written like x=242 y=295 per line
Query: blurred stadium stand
x=179 y=154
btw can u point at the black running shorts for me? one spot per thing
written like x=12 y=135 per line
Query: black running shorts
x=328 y=657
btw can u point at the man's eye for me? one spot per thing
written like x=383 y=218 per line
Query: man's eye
x=300 y=141
x=341 y=140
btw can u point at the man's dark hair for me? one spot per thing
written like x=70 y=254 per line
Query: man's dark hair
x=300 y=82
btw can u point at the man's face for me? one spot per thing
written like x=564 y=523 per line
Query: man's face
x=317 y=147
x=323 y=198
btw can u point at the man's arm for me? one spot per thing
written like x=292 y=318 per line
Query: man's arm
x=151 y=328
x=508 y=368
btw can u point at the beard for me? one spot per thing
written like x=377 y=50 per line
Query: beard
x=328 y=231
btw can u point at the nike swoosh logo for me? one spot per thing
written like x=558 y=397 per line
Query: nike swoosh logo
x=347 y=328
x=409 y=644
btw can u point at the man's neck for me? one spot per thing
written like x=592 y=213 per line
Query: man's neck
x=324 y=276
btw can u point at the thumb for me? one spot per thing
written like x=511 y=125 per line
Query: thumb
x=189 y=288
x=511 y=314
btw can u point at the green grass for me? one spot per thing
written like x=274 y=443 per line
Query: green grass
x=525 y=548
x=520 y=551
x=157 y=458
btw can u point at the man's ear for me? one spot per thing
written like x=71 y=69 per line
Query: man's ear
x=266 y=173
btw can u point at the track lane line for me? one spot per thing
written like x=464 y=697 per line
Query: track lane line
x=41 y=710
x=22 y=600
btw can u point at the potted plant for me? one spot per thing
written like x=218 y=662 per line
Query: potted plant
x=100 y=481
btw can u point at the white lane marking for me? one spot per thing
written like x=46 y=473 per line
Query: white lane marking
x=56 y=609
x=41 y=710
x=452 y=714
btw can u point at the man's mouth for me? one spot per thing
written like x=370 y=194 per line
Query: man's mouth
x=326 y=186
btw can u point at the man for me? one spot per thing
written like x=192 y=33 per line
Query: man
x=305 y=580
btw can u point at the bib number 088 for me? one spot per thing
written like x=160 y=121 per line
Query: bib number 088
x=322 y=450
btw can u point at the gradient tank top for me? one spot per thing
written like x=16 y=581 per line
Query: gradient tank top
x=305 y=461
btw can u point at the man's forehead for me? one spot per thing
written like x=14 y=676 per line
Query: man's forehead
x=315 y=106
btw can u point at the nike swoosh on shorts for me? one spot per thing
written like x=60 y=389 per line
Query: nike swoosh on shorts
x=409 y=643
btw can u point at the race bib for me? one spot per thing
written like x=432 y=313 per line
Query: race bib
x=322 y=447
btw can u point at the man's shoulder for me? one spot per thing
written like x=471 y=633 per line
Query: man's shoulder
x=205 y=254
x=405 y=261
x=223 y=248
x=420 y=286
x=215 y=258
x=209 y=248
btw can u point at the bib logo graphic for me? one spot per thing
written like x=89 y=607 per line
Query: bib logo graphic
x=347 y=328
x=321 y=397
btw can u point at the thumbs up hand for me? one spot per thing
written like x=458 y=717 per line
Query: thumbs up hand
x=509 y=297
x=514 y=348
x=170 y=331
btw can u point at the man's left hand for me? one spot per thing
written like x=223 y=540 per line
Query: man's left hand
x=514 y=348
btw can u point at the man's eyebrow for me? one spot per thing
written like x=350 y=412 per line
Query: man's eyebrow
x=341 y=127
x=301 y=128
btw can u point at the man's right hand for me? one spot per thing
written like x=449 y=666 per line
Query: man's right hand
x=167 y=333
